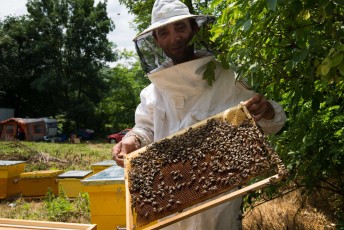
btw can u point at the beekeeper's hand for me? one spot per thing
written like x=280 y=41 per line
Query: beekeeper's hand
x=259 y=107
x=125 y=146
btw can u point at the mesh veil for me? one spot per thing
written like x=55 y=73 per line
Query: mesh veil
x=152 y=56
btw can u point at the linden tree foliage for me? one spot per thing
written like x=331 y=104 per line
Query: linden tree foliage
x=117 y=109
x=292 y=51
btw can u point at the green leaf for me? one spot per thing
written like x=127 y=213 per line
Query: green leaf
x=300 y=56
x=209 y=73
x=272 y=4
x=325 y=66
x=336 y=59
x=215 y=3
x=340 y=47
x=341 y=68
x=247 y=24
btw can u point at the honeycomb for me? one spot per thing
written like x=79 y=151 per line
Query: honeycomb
x=179 y=172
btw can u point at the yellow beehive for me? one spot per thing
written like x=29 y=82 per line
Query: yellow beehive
x=37 y=183
x=100 y=166
x=69 y=183
x=9 y=177
x=106 y=191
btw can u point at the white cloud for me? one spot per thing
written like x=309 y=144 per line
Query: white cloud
x=122 y=35
x=13 y=7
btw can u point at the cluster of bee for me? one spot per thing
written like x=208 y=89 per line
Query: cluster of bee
x=173 y=174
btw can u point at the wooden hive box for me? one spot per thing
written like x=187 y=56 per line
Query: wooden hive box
x=100 y=166
x=9 y=177
x=69 y=183
x=13 y=224
x=38 y=183
x=197 y=165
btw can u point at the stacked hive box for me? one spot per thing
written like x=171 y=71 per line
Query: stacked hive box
x=9 y=177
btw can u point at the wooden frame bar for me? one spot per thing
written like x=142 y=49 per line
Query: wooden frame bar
x=213 y=203
x=46 y=225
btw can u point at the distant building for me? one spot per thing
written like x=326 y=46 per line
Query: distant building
x=29 y=129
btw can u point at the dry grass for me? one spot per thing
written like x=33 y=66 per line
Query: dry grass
x=292 y=211
x=17 y=209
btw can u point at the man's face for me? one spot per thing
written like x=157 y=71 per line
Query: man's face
x=174 y=38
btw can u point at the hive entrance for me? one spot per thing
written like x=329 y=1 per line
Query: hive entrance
x=179 y=172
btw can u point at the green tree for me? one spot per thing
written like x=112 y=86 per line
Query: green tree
x=293 y=52
x=71 y=39
x=15 y=64
x=126 y=82
x=63 y=45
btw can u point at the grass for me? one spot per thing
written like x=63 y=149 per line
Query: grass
x=64 y=156
x=292 y=211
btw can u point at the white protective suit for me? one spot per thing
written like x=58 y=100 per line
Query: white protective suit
x=177 y=98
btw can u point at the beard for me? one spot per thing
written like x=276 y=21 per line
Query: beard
x=181 y=54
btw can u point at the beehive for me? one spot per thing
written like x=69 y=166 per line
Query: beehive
x=102 y=165
x=107 y=198
x=197 y=164
x=38 y=183
x=9 y=177
x=69 y=183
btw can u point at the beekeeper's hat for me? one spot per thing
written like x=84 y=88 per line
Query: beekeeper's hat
x=167 y=11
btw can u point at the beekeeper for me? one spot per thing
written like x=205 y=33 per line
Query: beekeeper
x=179 y=97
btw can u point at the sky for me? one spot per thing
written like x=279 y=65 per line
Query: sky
x=122 y=35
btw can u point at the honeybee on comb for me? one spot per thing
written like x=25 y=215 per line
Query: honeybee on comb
x=179 y=172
